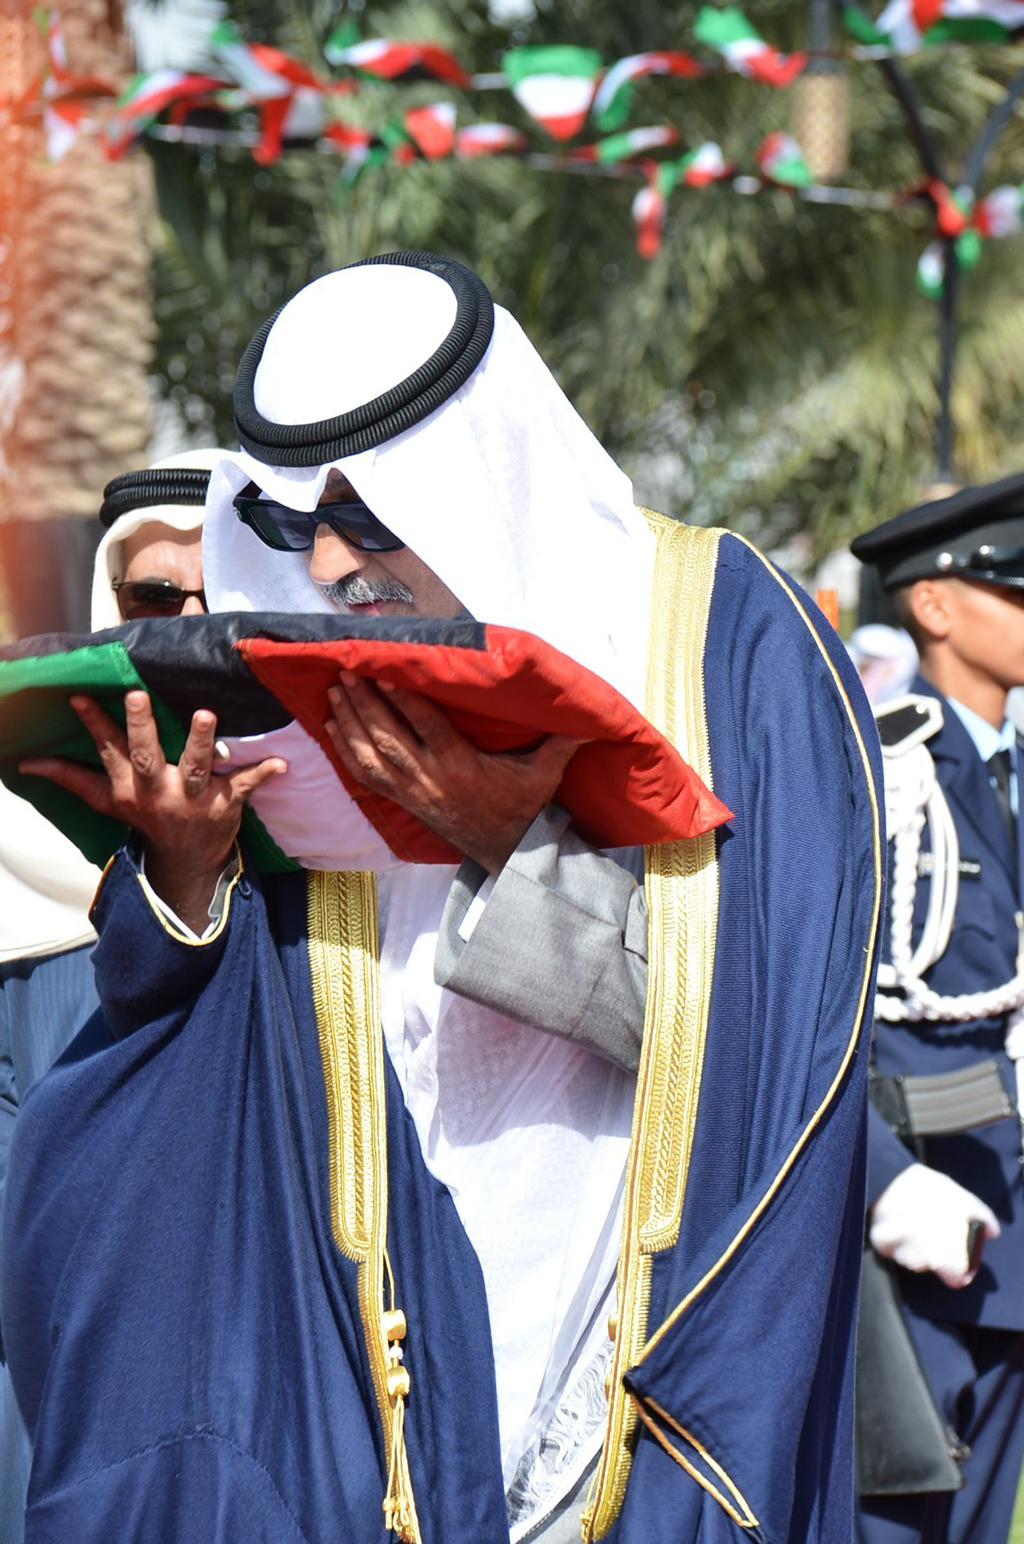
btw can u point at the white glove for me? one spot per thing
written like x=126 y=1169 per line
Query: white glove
x=921 y=1221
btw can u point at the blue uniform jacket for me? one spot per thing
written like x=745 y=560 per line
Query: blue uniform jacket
x=982 y=954
x=185 y=1334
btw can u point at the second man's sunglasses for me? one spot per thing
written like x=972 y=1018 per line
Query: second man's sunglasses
x=152 y=598
x=293 y=530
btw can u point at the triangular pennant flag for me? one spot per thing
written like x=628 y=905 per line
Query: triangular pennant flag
x=781 y=161
x=363 y=157
x=952 y=209
x=628 y=145
x=395 y=61
x=704 y=165
x=905 y=26
x=931 y=269
x=63 y=93
x=649 y=220
x=488 y=139
x=614 y=96
x=729 y=33
x=346 y=136
x=145 y=97
x=263 y=72
x=62 y=122
x=1000 y=213
x=432 y=129
x=555 y=85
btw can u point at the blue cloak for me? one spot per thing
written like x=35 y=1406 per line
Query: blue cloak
x=186 y=1337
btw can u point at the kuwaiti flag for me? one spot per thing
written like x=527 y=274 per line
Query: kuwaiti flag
x=272 y=80
x=931 y=269
x=954 y=208
x=302 y=115
x=395 y=61
x=697 y=169
x=628 y=145
x=364 y=156
x=264 y=73
x=145 y=98
x=614 y=96
x=908 y=25
x=346 y=136
x=781 y=161
x=649 y=219
x=555 y=85
x=432 y=129
x=726 y=30
x=268 y=677
x=703 y=166
x=488 y=139
x=64 y=94
x=1000 y=213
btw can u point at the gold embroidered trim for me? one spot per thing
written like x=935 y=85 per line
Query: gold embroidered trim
x=734 y=1503
x=153 y=902
x=863 y=1003
x=682 y=897
x=342 y=932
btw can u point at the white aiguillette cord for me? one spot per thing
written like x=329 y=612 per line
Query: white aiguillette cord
x=913 y=800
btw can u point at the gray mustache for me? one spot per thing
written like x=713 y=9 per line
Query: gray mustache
x=356 y=590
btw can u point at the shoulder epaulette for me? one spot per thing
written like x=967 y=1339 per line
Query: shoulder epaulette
x=907 y=721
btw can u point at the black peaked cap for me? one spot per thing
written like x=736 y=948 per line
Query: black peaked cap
x=406 y=403
x=977 y=533
x=156 y=485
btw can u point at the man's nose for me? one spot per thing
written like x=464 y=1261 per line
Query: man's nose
x=332 y=557
x=193 y=607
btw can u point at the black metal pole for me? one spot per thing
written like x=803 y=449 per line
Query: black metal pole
x=947 y=351
x=819 y=26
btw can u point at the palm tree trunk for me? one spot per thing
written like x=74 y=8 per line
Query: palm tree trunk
x=76 y=326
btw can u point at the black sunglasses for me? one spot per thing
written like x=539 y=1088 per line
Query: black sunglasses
x=152 y=598
x=293 y=530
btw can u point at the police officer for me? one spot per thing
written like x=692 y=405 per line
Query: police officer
x=944 y=1185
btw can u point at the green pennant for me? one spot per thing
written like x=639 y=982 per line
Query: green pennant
x=520 y=64
x=965 y=29
x=863 y=29
x=347 y=35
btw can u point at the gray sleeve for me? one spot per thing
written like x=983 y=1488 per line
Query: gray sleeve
x=561 y=943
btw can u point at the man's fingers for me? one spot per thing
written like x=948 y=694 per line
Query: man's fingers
x=94 y=787
x=430 y=723
x=144 y=750
x=197 y=757
x=555 y=754
x=365 y=731
x=109 y=738
x=246 y=780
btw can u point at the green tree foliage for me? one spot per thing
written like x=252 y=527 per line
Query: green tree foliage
x=772 y=368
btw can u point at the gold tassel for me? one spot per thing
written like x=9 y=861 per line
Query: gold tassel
x=399 y=1513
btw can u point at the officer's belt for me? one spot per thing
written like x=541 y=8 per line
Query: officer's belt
x=942 y=1104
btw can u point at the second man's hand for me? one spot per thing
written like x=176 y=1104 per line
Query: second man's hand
x=188 y=819
x=400 y=744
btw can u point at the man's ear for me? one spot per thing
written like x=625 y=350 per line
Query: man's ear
x=931 y=603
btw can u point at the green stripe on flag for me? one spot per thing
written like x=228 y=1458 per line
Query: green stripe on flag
x=717 y=27
x=863 y=29
x=966 y=29
x=557 y=59
x=36 y=719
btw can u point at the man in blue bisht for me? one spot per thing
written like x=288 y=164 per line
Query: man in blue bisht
x=521 y=1198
